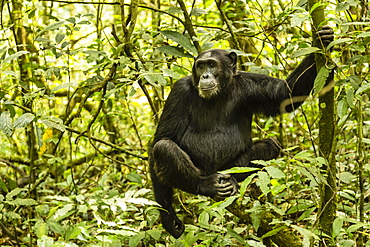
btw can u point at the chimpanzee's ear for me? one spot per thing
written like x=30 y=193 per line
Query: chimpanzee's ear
x=234 y=58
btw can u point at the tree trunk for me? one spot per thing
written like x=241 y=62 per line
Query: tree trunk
x=327 y=212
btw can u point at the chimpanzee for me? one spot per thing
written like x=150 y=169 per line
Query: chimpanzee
x=205 y=126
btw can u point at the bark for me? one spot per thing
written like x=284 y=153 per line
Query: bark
x=328 y=205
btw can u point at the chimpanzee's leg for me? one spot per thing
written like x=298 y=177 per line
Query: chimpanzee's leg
x=174 y=168
x=266 y=149
x=163 y=195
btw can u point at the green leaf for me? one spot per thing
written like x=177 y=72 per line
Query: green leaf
x=23 y=120
x=4 y=188
x=192 y=238
x=133 y=177
x=52 y=124
x=42 y=229
x=8 y=72
x=255 y=215
x=51 y=27
x=180 y=39
x=124 y=233
x=6 y=123
x=224 y=203
x=41 y=39
x=316 y=5
x=299 y=207
x=135 y=240
x=23 y=202
x=307 y=235
x=355 y=227
x=320 y=79
x=245 y=183
x=339 y=41
x=13 y=216
x=15 y=56
x=198 y=12
x=236 y=236
x=72 y=20
x=156 y=234
x=337 y=226
x=346 y=177
x=263 y=181
x=275 y=172
x=45 y=241
x=306 y=213
x=347 y=243
x=154 y=78
x=63 y=212
x=355 y=23
x=72 y=233
x=54 y=26
x=171 y=73
x=56 y=227
x=350 y=97
x=174 y=10
x=363 y=35
x=61 y=87
x=240 y=170
x=13 y=193
x=273 y=232
x=174 y=51
x=363 y=89
x=305 y=51
x=342 y=108
x=204 y=218
x=59 y=37
x=298 y=18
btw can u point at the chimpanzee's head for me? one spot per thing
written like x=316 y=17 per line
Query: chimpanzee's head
x=213 y=70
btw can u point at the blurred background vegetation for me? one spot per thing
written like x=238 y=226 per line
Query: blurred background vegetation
x=82 y=85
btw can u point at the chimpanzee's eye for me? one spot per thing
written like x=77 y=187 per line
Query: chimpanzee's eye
x=212 y=64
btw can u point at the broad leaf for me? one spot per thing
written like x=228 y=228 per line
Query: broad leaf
x=363 y=89
x=23 y=120
x=274 y=172
x=6 y=123
x=339 y=41
x=342 y=108
x=174 y=51
x=320 y=79
x=23 y=202
x=305 y=51
x=180 y=39
x=15 y=56
x=240 y=170
x=337 y=226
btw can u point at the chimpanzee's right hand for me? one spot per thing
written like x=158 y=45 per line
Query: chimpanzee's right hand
x=218 y=186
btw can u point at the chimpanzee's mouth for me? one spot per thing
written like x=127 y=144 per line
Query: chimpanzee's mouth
x=208 y=88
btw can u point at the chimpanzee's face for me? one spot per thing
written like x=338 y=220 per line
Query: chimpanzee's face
x=212 y=71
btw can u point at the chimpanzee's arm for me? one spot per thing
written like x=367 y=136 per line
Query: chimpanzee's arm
x=174 y=120
x=272 y=96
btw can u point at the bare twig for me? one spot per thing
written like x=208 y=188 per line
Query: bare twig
x=18 y=169
x=108 y=144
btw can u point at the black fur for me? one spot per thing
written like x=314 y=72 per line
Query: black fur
x=205 y=127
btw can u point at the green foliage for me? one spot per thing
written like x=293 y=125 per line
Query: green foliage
x=81 y=89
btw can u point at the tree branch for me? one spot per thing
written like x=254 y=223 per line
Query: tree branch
x=189 y=26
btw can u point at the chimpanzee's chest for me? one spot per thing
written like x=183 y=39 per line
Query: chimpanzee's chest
x=215 y=135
